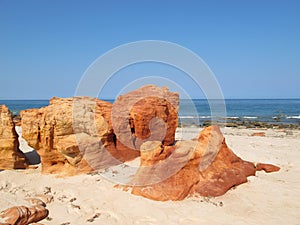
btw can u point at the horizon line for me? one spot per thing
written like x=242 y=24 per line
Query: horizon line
x=270 y=98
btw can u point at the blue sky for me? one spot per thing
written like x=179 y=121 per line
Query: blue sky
x=253 y=47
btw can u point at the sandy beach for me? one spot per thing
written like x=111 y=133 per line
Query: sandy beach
x=150 y=112
x=92 y=199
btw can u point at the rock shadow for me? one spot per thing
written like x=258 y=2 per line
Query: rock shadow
x=32 y=157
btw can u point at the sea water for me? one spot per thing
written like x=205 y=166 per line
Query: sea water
x=285 y=111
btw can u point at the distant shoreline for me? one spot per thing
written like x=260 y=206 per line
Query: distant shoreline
x=244 y=113
x=246 y=124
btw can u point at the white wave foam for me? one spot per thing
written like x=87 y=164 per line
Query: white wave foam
x=204 y=117
x=250 y=117
x=194 y=117
x=293 y=117
x=187 y=117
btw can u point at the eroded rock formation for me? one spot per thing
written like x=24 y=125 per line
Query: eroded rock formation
x=206 y=167
x=73 y=135
x=149 y=113
x=10 y=155
x=80 y=134
x=22 y=215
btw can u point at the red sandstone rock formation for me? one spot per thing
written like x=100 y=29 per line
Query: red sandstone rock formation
x=73 y=135
x=10 y=155
x=268 y=168
x=146 y=114
x=206 y=167
x=22 y=215
x=76 y=135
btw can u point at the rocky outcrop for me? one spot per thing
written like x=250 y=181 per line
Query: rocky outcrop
x=268 y=168
x=149 y=113
x=22 y=215
x=73 y=135
x=206 y=167
x=80 y=134
x=10 y=155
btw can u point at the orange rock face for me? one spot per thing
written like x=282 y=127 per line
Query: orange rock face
x=80 y=134
x=149 y=113
x=10 y=155
x=22 y=215
x=205 y=167
x=72 y=135
x=269 y=168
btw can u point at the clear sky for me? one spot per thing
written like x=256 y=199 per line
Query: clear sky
x=253 y=47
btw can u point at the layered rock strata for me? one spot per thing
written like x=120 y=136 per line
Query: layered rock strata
x=149 y=113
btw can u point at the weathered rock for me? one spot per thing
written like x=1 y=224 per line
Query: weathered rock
x=258 y=134
x=22 y=215
x=269 y=168
x=72 y=135
x=146 y=114
x=205 y=167
x=10 y=155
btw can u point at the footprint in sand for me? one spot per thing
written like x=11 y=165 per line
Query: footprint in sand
x=73 y=208
x=108 y=217
x=5 y=186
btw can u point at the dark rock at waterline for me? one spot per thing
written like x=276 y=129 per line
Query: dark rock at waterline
x=250 y=124
x=231 y=124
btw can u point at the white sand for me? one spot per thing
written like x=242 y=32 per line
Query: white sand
x=266 y=199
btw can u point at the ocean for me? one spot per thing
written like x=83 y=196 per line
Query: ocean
x=275 y=111
x=272 y=111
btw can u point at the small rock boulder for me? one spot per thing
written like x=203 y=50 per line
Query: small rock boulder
x=22 y=215
x=268 y=168
x=258 y=134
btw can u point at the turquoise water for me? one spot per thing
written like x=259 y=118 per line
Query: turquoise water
x=265 y=110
